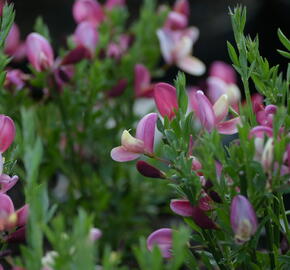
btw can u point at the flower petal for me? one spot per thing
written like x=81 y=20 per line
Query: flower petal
x=163 y=239
x=191 y=65
x=146 y=131
x=22 y=215
x=142 y=79
x=166 y=44
x=261 y=131
x=7 y=182
x=203 y=110
x=223 y=71
x=120 y=154
x=229 y=127
x=165 y=99
x=221 y=108
x=181 y=207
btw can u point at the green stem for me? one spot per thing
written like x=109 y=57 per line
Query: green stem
x=270 y=242
x=284 y=217
x=249 y=101
x=217 y=254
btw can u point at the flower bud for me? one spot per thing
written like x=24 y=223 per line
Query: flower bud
x=202 y=220
x=165 y=99
x=39 y=52
x=163 y=239
x=268 y=154
x=243 y=219
x=12 y=41
x=148 y=170
x=95 y=234
x=7 y=132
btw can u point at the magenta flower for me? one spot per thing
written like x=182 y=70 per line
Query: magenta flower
x=10 y=219
x=181 y=207
x=86 y=36
x=39 y=52
x=176 y=47
x=7 y=182
x=213 y=116
x=265 y=116
x=243 y=219
x=161 y=238
x=7 y=132
x=142 y=84
x=88 y=11
x=184 y=208
x=165 y=99
x=148 y=170
x=110 y=4
x=143 y=143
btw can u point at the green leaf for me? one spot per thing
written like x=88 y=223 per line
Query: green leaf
x=232 y=53
x=285 y=54
x=181 y=92
x=284 y=40
x=41 y=28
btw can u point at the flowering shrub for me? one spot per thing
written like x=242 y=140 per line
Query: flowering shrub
x=223 y=163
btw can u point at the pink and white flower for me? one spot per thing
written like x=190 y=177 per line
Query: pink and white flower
x=143 y=143
x=213 y=116
x=176 y=47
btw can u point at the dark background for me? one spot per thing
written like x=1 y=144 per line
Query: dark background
x=210 y=16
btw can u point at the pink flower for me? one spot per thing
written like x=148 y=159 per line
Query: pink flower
x=117 y=49
x=182 y=7
x=178 y=18
x=142 y=84
x=39 y=52
x=222 y=80
x=134 y=147
x=243 y=219
x=15 y=79
x=223 y=71
x=176 y=21
x=7 y=132
x=213 y=116
x=7 y=182
x=86 y=36
x=176 y=47
x=12 y=41
x=265 y=116
x=184 y=208
x=95 y=234
x=88 y=11
x=165 y=99
x=10 y=219
x=161 y=238
x=110 y=4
